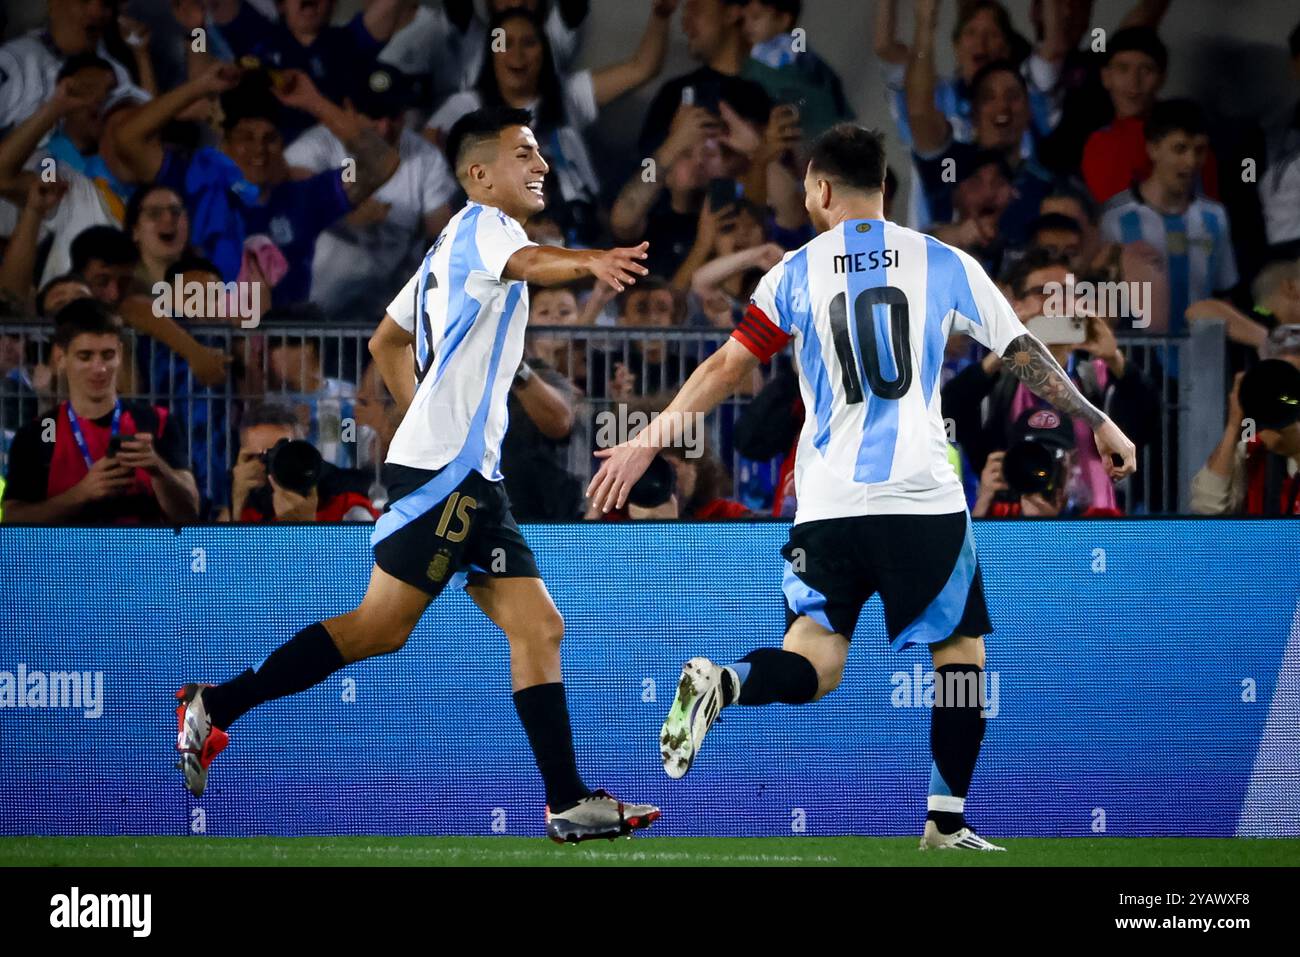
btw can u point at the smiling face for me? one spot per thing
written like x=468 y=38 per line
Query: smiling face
x=1001 y=112
x=519 y=68
x=257 y=148
x=91 y=361
x=1132 y=79
x=980 y=41
x=164 y=227
x=553 y=307
x=507 y=173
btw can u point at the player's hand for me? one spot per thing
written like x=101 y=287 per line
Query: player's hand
x=623 y=465
x=138 y=452
x=620 y=268
x=1111 y=441
x=107 y=478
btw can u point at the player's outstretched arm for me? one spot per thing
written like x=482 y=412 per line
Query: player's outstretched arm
x=555 y=266
x=1032 y=363
x=716 y=378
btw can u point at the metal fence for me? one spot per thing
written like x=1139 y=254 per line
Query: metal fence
x=324 y=373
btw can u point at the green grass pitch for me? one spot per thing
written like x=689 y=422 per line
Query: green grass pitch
x=638 y=852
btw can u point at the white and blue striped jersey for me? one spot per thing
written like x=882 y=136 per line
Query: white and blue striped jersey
x=468 y=324
x=1196 y=245
x=867 y=308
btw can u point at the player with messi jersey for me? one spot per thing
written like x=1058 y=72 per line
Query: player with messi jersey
x=866 y=307
x=462 y=315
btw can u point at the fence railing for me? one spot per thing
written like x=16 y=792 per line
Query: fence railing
x=324 y=373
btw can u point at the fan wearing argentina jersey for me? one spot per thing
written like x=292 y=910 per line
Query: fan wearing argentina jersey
x=866 y=308
x=461 y=317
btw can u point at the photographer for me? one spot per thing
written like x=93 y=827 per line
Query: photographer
x=1038 y=475
x=278 y=477
x=678 y=487
x=96 y=459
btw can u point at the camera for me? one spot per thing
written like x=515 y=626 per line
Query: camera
x=1037 y=461
x=295 y=465
x=656 y=486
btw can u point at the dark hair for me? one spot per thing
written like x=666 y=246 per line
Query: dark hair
x=82 y=61
x=984 y=158
x=108 y=244
x=550 y=99
x=132 y=216
x=250 y=99
x=1139 y=40
x=1068 y=189
x=996 y=66
x=652 y=284
x=1294 y=41
x=711 y=479
x=851 y=155
x=792 y=7
x=193 y=262
x=84 y=317
x=969 y=11
x=59 y=280
x=1038 y=258
x=481 y=126
x=1055 y=221
x=270 y=413
x=1175 y=116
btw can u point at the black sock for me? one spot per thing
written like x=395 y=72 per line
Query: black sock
x=545 y=717
x=956 y=730
x=306 y=659
x=778 y=676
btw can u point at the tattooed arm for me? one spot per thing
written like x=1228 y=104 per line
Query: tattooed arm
x=1032 y=363
x=375 y=159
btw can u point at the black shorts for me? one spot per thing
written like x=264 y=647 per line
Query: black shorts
x=447 y=526
x=924 y=567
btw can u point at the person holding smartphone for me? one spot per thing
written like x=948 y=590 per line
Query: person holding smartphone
x=97 y=459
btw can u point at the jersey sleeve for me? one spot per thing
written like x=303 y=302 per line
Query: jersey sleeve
x=980 y=310
x=498 y=237
x=763 y=329
x=402 y=308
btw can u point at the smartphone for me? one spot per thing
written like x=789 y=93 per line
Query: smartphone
x=722 y=193
x=688 y=96
x=114 y=446
x=1059 y=330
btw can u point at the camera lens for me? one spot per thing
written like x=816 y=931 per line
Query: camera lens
x=1031 y=468
x=656 y=486
x=295 y=465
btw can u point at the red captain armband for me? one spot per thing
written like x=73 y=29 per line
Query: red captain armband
x=759 y=334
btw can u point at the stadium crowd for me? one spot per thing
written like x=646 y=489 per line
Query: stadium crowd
x=300 y=169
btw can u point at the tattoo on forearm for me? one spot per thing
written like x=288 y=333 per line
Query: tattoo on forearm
x=374 y=164
x=1030 y=361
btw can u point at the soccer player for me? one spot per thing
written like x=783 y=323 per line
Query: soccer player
x=464 y=313
x=867 y=307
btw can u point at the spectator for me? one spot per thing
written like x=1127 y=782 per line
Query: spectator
x=75 y=141
x=715 y=35
x=111 y=462
x=984 y=401
x=664 y=207
x=1115 y=157
x=524 y=76
x=557 y=306
x=648 y=365
x=107 y=258
x=1277 y=294
x=302 y=39
x=1001 y=118
x=443 y=46
x=259 y=494
x=30 y=64
x=535 y=451
x=244 y=189
x=788 y=71
x=369 y=254
x=60 y=291
x=325 y=406
x=1190 y=232
x=1279 y=183
x=66 y=206
x=737 y=256
x=159 y=225
x=702 y=483
x=981 y=194
x=1253 y=470
x=1038 y=474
